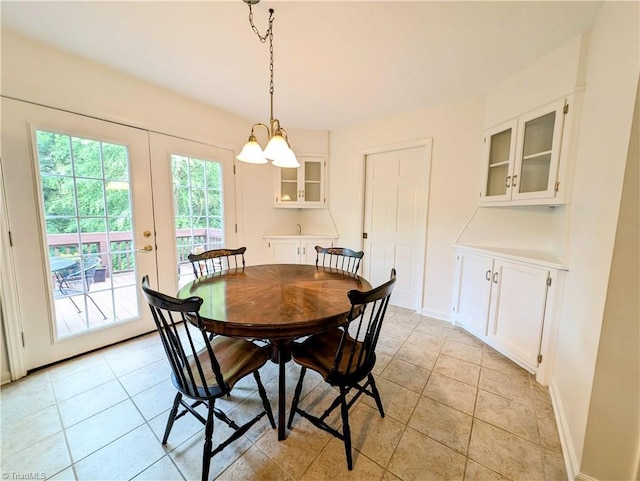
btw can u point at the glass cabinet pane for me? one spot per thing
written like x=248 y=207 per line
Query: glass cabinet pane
x=500 y=147
x=288 y=192
x=312 y=171
x=534 y=176
x=497 y=180
x=288 y=185
x=538 y=135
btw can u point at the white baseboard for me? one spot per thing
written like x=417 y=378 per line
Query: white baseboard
x=436 y=315
x=584 y=477
x=570 y=460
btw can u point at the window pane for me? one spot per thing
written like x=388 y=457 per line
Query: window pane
x=86 y=158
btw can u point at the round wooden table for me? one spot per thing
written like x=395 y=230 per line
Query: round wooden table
x=275 y=302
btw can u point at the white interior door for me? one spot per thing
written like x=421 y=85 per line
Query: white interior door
x=395 y=220
x=78 y=194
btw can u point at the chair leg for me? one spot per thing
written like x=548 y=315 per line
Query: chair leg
x=97 y=306
x=296 y=397
x=346 y=430
x=208 y=441
x=376 y=394
x=172 y=417
x=265 y=400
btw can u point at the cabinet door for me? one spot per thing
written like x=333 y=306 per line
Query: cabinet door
x=312 y=182
x=303 y=186
x=538 y=152
x=308 y=255
x=287 y=190
x=500 y=143
x=517 y=309
x=474 y=292
x=285 y=251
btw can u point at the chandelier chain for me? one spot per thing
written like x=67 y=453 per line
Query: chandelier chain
x=263 y=38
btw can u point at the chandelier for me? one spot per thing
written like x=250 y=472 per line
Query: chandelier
x=278 y=149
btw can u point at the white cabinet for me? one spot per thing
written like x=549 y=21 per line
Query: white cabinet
x=295 y=249
x=505 y=303
x=473 y=295
x=523 y=157
x=304 y=186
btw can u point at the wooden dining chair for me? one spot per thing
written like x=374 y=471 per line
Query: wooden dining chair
x=339 y=258
x=217 y=260
x=345 y=358
x=204 y=369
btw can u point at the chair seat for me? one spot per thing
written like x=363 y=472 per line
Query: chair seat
x=318 y=353
x=237 y=358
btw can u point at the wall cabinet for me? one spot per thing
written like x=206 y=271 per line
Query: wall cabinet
x=506 y=303
x=304 y=186
x=296 y=249
x=523 y=157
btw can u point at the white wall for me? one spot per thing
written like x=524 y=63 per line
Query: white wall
x=611 y=81
x=612 y=440
x=37 y=73
x=455 y=169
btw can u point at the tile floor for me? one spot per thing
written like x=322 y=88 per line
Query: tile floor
x=455 y=409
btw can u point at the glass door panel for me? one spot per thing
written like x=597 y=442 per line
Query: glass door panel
x=198 y=200
x=87 y=210
x=79 y=199
x=499 y=158
x=198 y=211
x=312 y=181
x=288 y=185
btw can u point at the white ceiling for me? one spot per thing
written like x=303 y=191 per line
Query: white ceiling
x=337 y=63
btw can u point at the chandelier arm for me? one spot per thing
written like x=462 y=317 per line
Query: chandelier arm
x=260 y=124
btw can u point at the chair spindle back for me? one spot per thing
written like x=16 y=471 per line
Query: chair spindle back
x=217 y=260
x=355 y=356
x=183 y=343
x=339 y=258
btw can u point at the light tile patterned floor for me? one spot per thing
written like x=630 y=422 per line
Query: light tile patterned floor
x=455 y=409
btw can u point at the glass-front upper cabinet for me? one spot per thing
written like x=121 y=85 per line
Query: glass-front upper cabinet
x=500 y=153
x=522 y=156
x=304 y=186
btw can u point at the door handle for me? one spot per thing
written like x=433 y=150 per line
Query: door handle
x=487 y=275
x=495 y=277
x=513 y=180
x=146 y=248
x=506 y=182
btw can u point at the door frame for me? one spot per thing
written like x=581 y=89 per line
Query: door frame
x=427 y=143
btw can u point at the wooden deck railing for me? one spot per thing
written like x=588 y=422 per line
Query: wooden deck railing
x=120 y=245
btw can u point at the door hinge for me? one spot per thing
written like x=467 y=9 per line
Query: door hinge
x=549 y=280
x=236 y=228
x=556 y=187
x=539 y=358
x=22 y=336
x=10 y=239
x=234 y=169
x=566 y=109
x=484 y=140
x=364 y=235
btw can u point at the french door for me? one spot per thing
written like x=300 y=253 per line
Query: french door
x=90 y=206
